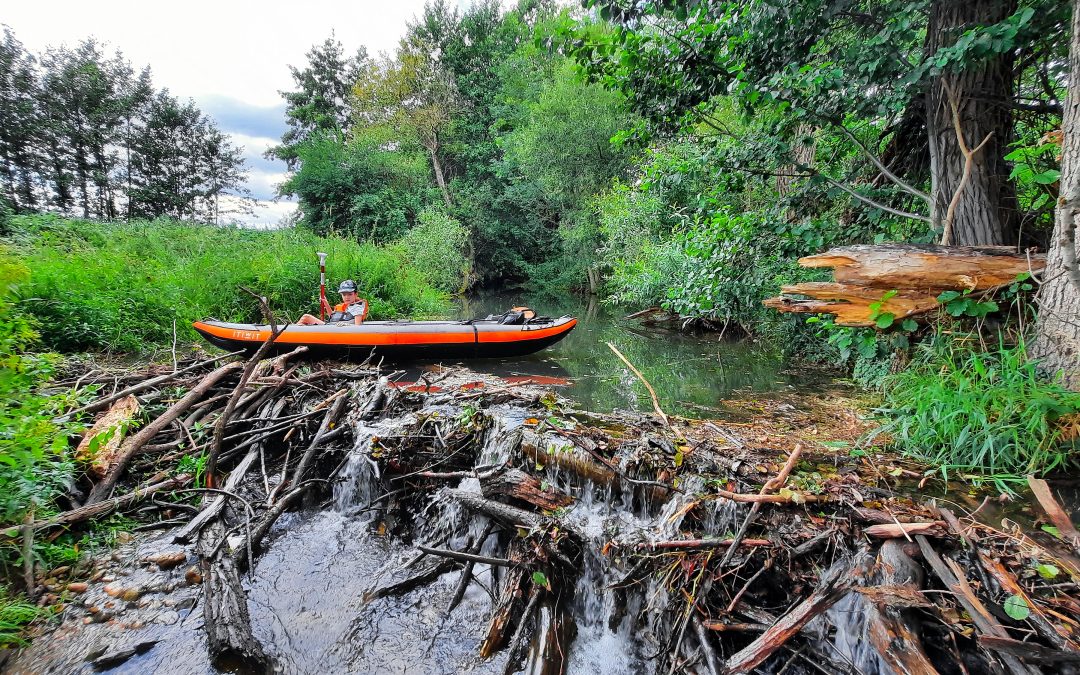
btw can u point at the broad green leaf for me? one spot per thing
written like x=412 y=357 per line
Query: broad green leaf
x=1048 y=571
x=1017 y=608
x=885 y=320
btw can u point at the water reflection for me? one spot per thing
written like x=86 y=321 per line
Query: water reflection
x=691 y=373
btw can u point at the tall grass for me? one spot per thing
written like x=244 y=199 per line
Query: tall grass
x=120 y=286
x=15 y=615
x=982 y=414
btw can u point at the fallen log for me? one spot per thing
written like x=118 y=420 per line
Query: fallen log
x=508 y=604
x=213 y=506
x=328 y=421
x=889 y=625
x=513 y=652
x=900 y=280
x=548 y=650
x=517 y=484
x=506 y=514
x=98 y=509
x=229 y=637
x=890 y=266
x=534 y=447
x=850 y=304
x=132 y=445
x=108 y=431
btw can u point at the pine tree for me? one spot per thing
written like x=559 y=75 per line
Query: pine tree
x=320 y=102
x=18 y=122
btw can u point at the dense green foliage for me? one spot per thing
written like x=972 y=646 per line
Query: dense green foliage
x=122 y=286
x=969 y=412
x=82 y=132
x=33 y=464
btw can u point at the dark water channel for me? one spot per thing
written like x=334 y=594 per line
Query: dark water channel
x=692 y=373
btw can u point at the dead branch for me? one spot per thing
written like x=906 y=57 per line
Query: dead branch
x=132 y=445
x=102 y=403
x=832 y=586
x=652 y=392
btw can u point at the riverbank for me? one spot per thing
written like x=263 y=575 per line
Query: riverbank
x=598 y=541
x=136 y=287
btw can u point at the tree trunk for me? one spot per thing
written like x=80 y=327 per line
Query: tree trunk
x=985 y=212
x=1057 y=341
x=433 y=150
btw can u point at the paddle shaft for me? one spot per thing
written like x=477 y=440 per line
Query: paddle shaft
x=322 y=286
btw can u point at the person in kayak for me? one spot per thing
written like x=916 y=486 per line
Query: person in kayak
x=352 y=310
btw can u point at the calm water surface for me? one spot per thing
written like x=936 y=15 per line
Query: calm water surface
x=692 y=374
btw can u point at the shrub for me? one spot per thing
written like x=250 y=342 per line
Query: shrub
x=34 y=467
x=988 y=414
x=436 y=248
x=122 y=285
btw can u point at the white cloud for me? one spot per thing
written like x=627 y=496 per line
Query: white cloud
x=266 y=213
x=232 y=57
x=239 y=49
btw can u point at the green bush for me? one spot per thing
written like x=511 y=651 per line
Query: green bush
x=436 y=248
x=987 y=414
x=121 y=286
x=34 y=467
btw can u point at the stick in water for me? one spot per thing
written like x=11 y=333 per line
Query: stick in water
x=652 y=392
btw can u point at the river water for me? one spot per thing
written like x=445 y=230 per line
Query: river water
x=692 y=373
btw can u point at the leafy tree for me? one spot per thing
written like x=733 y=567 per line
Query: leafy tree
x=884 y=64
x=181 y=163
x=414 y=95
x=564 y=140
x=367 y=188
x=320 y=102
x=18 y=121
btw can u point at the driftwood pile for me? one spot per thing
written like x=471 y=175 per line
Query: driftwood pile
x=736 y=559
x=912 y=276
x=930 y=588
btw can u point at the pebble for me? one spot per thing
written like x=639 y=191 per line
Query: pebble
x=78 y=587
x=193 y=576
x=167 y=560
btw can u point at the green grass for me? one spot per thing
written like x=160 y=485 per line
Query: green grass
x=120 y=286
x=982 y=415
x=15 y=615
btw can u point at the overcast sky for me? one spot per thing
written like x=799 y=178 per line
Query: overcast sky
x=231 y=56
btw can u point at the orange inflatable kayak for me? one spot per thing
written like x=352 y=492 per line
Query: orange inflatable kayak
x=478 y=338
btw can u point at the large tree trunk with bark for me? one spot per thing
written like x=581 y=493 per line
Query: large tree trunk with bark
x=1058 y=339
x=985 y=209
